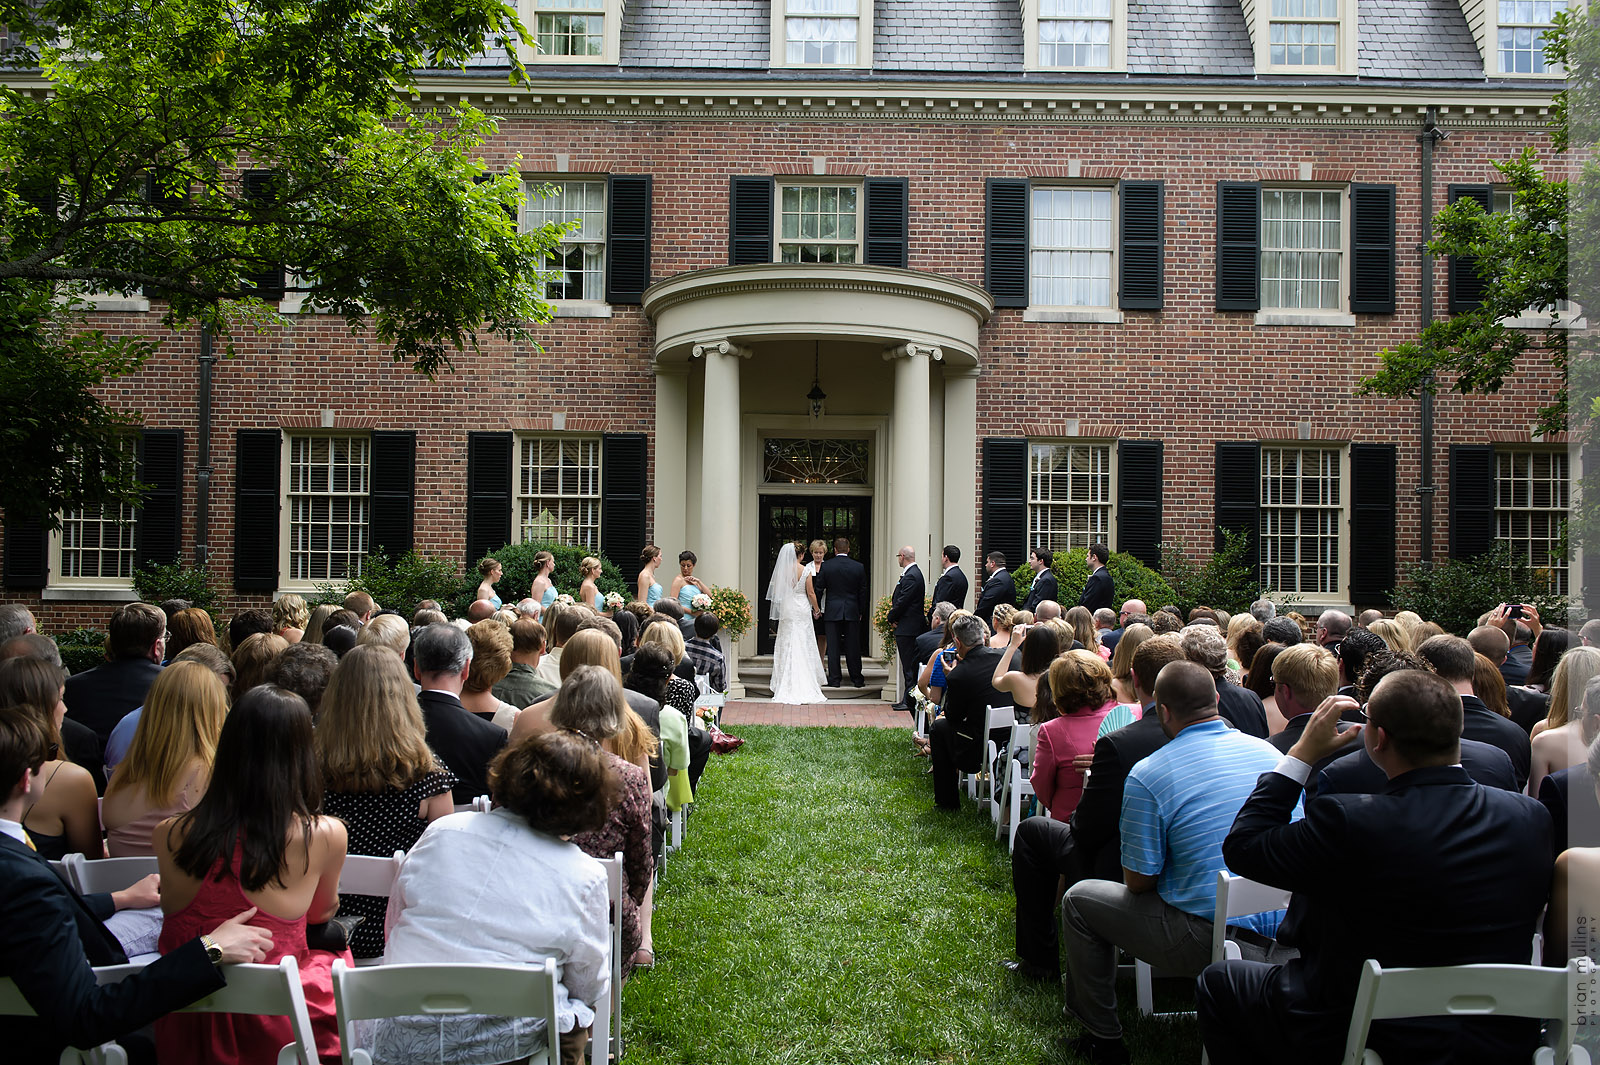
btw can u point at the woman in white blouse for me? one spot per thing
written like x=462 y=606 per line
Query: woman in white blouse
x=545 y=898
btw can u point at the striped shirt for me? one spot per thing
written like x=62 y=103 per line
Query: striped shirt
x=1178 y=806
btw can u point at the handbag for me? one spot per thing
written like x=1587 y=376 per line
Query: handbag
x=333 y=935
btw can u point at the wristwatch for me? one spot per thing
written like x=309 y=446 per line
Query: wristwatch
x=213 y=952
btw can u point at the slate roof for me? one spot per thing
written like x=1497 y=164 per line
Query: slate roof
x=983 y=36
x=1189 y=37
x=721 y=34
x=1416 y=39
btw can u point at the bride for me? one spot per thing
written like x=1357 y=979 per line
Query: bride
x=796 y=667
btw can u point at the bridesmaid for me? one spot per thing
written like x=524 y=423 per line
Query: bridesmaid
x=489 y=569
x=649 y=588
x=588 y=594
x=544 y=589
x=685 y=586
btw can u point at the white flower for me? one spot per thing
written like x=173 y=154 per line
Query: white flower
x=613 y=599
x=565 y=600
x=700 y=602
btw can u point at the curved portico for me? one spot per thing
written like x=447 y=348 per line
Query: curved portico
x=736 y=347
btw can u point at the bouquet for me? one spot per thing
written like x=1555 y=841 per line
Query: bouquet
x=566 y=600
x=613 y=601
x=700 y=602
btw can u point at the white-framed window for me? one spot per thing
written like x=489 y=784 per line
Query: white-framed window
x=574 y=31
x=581 y=260
x=819 y=223
x=1519 y=48
x=1532 y=505
x=1075 y=34
x=1304 y=36
x=1302 y=249
x=1070 y=246
x=1069 y=494
x=1302 y=546
x=558 y=490
x=94 y=548
x=327 y=506
x=822 y=33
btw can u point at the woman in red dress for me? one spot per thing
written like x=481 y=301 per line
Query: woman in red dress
x=255 y=842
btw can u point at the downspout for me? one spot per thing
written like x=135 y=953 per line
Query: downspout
x=1431 y=133
x=202 y=514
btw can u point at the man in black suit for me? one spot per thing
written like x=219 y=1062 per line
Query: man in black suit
x=1089 y=846
x=845 y=581
x=52 y=936
x=464 y=742
x=929 y=641
x=1099 y=590
x=1569 y=795
x=998 y=587
x=957 y=736
x=1243 y=707
x=1432 y=826
x=1528 y=707
x=952 y=584
x=1353 y=772
x=136 y=639
x=1044 y=579
x=905 y=614
x=1452 y=659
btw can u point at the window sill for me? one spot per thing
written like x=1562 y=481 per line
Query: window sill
x=136 y=304
x=581 y=308
x=1091 y=316
x=1312 y=318
x=1543 y=321
x=63 y=593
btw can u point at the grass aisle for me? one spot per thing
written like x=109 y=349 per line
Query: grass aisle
x=822 y=911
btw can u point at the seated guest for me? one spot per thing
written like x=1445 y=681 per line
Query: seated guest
x=16 y=620
x=561 y=624
x=464 y=742
x=1489 y=686
x=1368 y=617
x=1391 y=851
x=319 y=621
x=1353 y=652
x=671 y=637
x=189 y=627
x=1569 y=794
x=627 y=623
x=49 y=954
x=340 y=638
x=379 y=776
x=1241 y=707
x=168 y=764
x=933 y=639
x=62 y=813
x=136 y=646
x=704 y=653
x=491 y=661
x=637 y=742
x=1082 y=625
x=1177 y=805
x=1039 y=645
x=254 y=840
x=304 y=668
x=1258 y=679
x=1519 y=656
x=1528 y=706
x=362 y=605
x=205 y=654
x=290 y=616
x=547 y=900
x=1302 y=677
x=591 y=704
x=390 y=630
x=82 y=745
x=254 y=658
x=1136 y=633
x=1451 y=658
x=1394 y=635
x=1004 y=619
x=1080 y=688
x=957 y=736
x=648 y=679
x=246 y=623
x=1282 y=630
x=523 y=685
x=1332 y=627
x=1565 y=741
x=1573 y=913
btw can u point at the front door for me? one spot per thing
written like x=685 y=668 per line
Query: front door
x=801 y=519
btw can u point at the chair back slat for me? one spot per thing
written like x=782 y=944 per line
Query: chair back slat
x=364 y=874
x=107 y=874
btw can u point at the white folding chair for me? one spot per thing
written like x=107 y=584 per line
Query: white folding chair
x=1015 y=786
x=13 y=1004
x=1470 y=991
x=1237 y=897
x=608 y=1011
x=445 y=991
x=482 y=804
x=107 y=874
x=465 y=807
x=365 y=874
x=977 y=782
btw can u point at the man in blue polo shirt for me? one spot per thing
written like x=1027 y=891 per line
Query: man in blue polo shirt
x=1177 y=807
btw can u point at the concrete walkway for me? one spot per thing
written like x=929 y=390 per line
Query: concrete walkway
x=862 y=713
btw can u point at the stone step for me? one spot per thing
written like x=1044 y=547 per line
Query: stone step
x=756 y=675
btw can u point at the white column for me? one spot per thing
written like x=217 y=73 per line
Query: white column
x=909 y=505
x=961 y=467
x=671 y=462
x=721 y=480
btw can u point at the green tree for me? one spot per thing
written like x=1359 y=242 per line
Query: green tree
x=191 y=149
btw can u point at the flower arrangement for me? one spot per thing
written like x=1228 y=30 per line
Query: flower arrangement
x=566 y=600
x=700 y=602
x=881 y=625
x=613 y=601
x=707 y=716
x=732 y=609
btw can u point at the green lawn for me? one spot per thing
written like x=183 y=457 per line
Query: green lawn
x=822 y=911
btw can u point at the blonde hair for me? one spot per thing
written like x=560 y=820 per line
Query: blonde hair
x=290 y=612
x=1406 y=619
x=370 y=734
x=1571 y=676
x=1005 y=615
x=813 y=545
x=666 y=634
x=1082 y=622
x=1122 y=657
x=1309 y=671
x=491 y=655
x=1393 y=634
x=183 y=715
x=386 y=630
x=253 y=659
x=590 y=647
x=589 y=565
x=1236 y=626
x=319 y=617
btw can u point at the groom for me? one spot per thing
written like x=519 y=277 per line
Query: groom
x=845 y=581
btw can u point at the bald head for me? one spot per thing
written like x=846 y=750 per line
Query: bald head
x=1332 y=626
x=908 y=555
x=1491 y=642
x=1186 y=692
x=1130 y=607
x=1047 y=610
x=480 y=610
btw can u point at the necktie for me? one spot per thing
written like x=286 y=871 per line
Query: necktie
x=29 y=841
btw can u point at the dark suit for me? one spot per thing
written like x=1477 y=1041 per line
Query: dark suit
x=85 y=747
x=1569 y=796
x=957 y=736
x=1243 y=708
x=1356 y=773
x=905 y=614
x=1099 y=590
x=950 y=588
x=99 y=697
x=999 y=588
x=464 y=742
x=52 y=935
x=1528 y=707
x=926 y=645
x=1089 y=846
x=1518 y=661
x=1044 y=587
x=1480 y=723
x=1366 y=872
x=845 y=581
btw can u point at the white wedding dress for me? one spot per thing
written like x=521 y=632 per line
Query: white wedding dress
x=797 y=673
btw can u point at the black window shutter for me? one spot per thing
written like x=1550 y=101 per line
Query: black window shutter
x=392 y=502
x=1471 y=500
x=1005 y=498
x=628 y=238
x=1238 y=493
x=260 y=186
x=1238 y=246
x=1466 y=287
x=158 y=536
x=750 y=221
x=1372 y=249
x=622 y=495
x=1139 y=465
x=27 y=555
x=1140 y=249
x=1372 y=522
x=489 y=468
x=255 y=510
x=1005 y=246
x=888 y=215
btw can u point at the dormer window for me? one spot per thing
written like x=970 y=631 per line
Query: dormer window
x=1519 y=44
x=1304 y=36
x=575 y=31
x=822 y=33
x=1075 y=34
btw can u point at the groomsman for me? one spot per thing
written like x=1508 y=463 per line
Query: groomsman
x=998 y=587
x=905 y=614
x=1044 y=580
x=952 y=586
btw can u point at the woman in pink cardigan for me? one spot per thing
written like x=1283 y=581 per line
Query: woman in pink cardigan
x=1080 y=686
